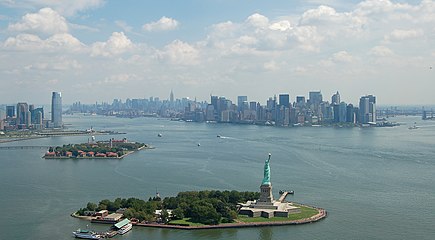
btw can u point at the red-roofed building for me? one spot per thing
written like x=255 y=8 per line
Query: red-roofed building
x=111 y=154
x=50 y=154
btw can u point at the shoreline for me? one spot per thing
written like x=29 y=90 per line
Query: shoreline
x=121 y=157
x=322 y=213
x=319 y=216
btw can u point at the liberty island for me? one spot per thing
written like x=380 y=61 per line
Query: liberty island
x=211 y=211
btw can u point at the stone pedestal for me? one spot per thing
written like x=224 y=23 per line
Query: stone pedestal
x=266 y=193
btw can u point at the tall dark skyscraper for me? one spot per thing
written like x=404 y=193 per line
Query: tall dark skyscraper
x=315 y=98
x=240 y=102
x=284 y=100
x=56 y=109
x=10 y=111
x=300 y=101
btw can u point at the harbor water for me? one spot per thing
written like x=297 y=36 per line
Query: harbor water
x=375 y=183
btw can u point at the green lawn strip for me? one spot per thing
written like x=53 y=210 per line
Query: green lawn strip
x=306 y=212
x=185 y=222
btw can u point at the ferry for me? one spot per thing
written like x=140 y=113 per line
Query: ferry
x=86 y=234
x=125 y=229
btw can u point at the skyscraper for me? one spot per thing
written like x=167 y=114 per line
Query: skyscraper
x=240 y=100
x=56 y=109
x=367 y=109
x=23 y=115
x=300 y=101
x=315 y=98
x=10 y=111
x=335 y=99
x=171 y=97
x=284 y=100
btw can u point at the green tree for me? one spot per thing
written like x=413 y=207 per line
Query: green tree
x=164 y=216
x=91 y=206
x=178 y=213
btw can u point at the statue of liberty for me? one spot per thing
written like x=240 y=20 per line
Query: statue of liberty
x=266 y=178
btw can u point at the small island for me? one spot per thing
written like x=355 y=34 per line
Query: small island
x=206 y=209
x=101 y=149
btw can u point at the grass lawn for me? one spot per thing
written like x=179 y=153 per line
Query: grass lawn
x=306 y=212
x=185 y=222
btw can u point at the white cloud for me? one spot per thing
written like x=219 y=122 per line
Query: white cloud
x=57 y=42
x=223 y=30
x=163 y=24
x=370 y=7
x=307 y=37
x=281 y=26
x=60 y=64
x=117 y=44
x=403 y=34
x=45 y=21
x=381 y=51
x=119 y=78
x=271 y=66
x=258 y=20
x=247 y=40
x=320 y=13
x=342 y=56
x=180 y=53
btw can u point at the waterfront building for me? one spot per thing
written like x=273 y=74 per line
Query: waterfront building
x=342 y=112
x=336 y=112
x=253 y=106
x=56 y=109
x=240 y=102
x=350 y=114
x=10 y=111
x=327 y=112
x=209 y=113
x=367 y=109
x=23 y=115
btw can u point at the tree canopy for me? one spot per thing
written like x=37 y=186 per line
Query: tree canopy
x=206 y=207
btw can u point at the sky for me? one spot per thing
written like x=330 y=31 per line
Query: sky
x=99 y=50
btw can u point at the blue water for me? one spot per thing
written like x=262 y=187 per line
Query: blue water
x=375 y=183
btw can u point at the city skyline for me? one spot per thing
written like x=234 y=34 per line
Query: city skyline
x=100 y=50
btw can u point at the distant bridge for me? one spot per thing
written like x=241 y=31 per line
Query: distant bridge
x=22 y=147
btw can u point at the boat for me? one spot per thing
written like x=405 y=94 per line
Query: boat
x=86 y=234
x=125 y=229
x=218 y=136
x=413 y=127
x=199 y=144
x=159 y=135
